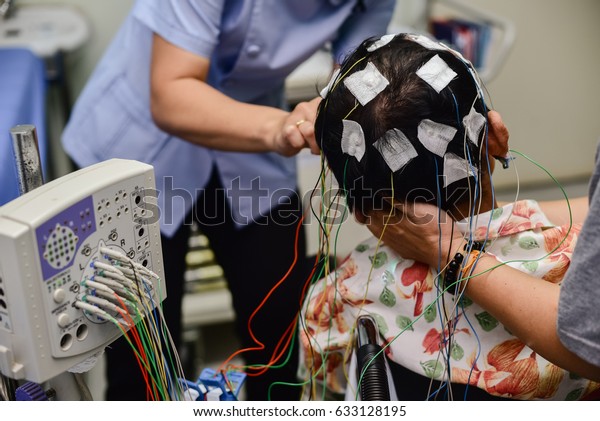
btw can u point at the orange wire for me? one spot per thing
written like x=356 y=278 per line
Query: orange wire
x=274 y=357
x=150 y=386
x=307 y=284
x=271 y=291
x=288 y=334
x=289 y=331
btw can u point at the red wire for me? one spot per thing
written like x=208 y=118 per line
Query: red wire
x=290 y=327
x=151 y=391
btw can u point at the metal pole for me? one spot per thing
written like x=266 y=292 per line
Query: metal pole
x=27 y=157
x=29 y=176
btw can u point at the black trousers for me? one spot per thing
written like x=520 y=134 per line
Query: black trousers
x=254 y=258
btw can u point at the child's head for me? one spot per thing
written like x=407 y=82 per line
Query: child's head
x=407 y=106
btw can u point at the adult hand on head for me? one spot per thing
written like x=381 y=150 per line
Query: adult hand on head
x=498 y=135
x=417 y=231
x=420 y=231
x=298 y=129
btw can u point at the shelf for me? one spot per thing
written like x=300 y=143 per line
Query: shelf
x=207 y=307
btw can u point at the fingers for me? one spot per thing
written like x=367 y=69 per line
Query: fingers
x=417 y=231
x=415 y=214
x=498 y=135
x=299 y=129
x=495 y=120
x=294 y=138
x=307 y=131
x=421 y=214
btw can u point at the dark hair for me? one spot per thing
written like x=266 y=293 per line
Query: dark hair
x=402 y=105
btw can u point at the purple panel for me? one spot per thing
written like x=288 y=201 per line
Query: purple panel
x=59 y=238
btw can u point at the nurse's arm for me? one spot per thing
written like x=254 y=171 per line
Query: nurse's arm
x=183 y=104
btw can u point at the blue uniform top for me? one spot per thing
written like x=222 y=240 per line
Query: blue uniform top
x=253 y=45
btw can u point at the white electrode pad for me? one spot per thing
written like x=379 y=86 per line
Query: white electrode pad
x=366 y=84
x=353 y=139
x=473 y=123
x=435 y=136
x=329 y=85
x=436 y=73
x=384 y=40
x=455 y=168
x=396 y=149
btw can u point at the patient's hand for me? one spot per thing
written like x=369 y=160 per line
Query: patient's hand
x=414 y=232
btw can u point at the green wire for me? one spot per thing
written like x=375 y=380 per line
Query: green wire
x=561 y=241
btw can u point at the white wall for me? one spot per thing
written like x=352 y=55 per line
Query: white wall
x=548 y=91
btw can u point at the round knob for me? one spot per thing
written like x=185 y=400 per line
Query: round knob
x=63 y=319
x=30 y=391
x=59 y=295
x=253 y=50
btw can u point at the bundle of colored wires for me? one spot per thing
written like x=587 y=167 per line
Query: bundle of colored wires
x=126 y=294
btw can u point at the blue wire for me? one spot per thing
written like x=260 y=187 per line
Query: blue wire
x=439 y=269
x=470 y=235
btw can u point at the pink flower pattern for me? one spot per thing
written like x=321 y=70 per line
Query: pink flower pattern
x=487 y=355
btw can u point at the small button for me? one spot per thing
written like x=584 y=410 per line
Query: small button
x=59 y=295
x=63 y=320
x=253 y=50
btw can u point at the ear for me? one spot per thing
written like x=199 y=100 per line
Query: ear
x=497 y=135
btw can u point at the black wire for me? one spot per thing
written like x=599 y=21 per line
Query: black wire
x=448 y=344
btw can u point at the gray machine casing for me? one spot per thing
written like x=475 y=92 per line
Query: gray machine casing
x=48 y=238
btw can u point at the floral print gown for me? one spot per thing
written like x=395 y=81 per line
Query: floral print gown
x=406 y=301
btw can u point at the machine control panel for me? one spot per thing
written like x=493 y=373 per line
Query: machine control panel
x=61 y=300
